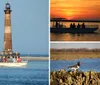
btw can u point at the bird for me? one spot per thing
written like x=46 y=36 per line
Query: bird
x=75 y=67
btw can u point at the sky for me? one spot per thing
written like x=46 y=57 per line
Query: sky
x=75 y=45
x=29 y=20
x=75 y=9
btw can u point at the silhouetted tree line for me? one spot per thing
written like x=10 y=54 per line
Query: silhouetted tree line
x=75 y=50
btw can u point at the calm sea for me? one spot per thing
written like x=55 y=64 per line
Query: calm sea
x=35 y=73
x=87 y=64
x=77 y=37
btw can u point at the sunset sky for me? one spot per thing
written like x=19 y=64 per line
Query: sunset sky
x=75 y=9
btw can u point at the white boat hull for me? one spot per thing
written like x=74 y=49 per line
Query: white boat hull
x=11 y=64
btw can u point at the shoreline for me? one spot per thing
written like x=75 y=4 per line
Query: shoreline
x=74 y=55
x=34 y=58
x=76 y=58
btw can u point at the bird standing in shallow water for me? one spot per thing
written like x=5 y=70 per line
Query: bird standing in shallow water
x=75 y=67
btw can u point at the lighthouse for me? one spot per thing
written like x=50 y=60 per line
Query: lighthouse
x=7 y=29
x=8 y=51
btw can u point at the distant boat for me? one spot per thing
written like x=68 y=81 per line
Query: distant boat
x=59 y=27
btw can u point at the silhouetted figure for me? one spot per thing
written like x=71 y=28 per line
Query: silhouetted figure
x=74 y=26
x=57 y=24
x=60 y=25
x=83 y=25
x=53 y=24
x=78 y=26
x=71 y=26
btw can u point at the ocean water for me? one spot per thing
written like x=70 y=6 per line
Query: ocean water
x=87 y=64
x=34 y=55
x=76 y=37
x=35 y=73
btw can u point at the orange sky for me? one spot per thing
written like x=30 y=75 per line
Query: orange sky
x=75 y=9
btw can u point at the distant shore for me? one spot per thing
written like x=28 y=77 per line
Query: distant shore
x=34 y=58
x=73 y=55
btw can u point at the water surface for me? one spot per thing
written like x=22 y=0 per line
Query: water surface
x=77 y=37
x=87 y=64
x=35 y=73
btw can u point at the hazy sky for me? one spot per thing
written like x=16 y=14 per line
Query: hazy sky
x=29 y=25
x=76 y=9
x=75 y=45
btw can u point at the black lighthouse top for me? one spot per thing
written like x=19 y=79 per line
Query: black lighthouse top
x=7 y=8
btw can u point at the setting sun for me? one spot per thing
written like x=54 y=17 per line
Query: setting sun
x=75 y=9
x=69 y=14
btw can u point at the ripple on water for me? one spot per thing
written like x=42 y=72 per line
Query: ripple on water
x=25 y=76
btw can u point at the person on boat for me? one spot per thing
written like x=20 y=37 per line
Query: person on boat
x=83 y=25
x=14 y=60
x=57 y=24
x=71 y=26
x=1 y=59
x=19 y=59
x=9 y=60
x=78 y=26
x=4 y=59
x=74 y=26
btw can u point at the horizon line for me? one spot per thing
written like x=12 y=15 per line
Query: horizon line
x=65 y=20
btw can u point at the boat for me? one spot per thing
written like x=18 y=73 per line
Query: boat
x=13 y=64
x=59 y=27
x=11 y=60
x=70 y=30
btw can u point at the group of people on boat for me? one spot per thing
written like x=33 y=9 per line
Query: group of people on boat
x=72 y=25
x=59 y=25
x=14 y=59
x=4 y=59
x=78 y=26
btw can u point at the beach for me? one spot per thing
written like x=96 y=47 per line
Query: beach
x=34 y=58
